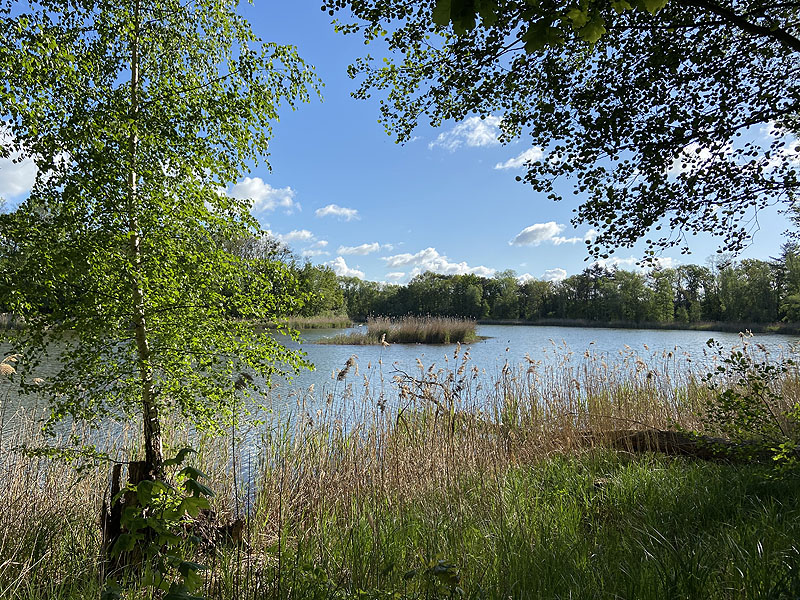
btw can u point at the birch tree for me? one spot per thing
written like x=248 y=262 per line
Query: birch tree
x=138 y=115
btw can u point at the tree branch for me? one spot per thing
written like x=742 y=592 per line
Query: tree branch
x=780 y=35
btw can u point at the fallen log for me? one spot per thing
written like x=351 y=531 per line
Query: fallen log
x=678 y=443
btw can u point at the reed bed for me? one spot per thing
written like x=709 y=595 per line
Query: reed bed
x=410 y=330
x=319 y=322
x=447 y=482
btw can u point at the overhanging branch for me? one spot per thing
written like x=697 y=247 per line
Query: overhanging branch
x=728 y=15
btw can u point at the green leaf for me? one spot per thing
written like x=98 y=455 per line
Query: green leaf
x=540 y=35
x=653 y=6
x=578 y=17
x=179 y=591
x=111 y=591
x=191 y=473
x=186 y=567
x=620 y=6
x=193 y=505
x=125 y=543
x=179 y=458
x=488 y=10
x=144 y=492
x=593 y=30
x=197 y=489
x=441 y=13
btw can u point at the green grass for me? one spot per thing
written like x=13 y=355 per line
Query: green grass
x=602 y=525
x=598 y=525
x=410 y=330
x=455 y=488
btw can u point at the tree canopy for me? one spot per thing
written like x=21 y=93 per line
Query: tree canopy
x=667 y=118
x=741 y=293
x=122 y=260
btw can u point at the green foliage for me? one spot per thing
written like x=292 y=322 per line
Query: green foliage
x=630 y=102
x=747 y=406
x=121 y=260
x=741 y=293
x=155 y=542
x=584 y=18
x=324 y=294
x=437 y=579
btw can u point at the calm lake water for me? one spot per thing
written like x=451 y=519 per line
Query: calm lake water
x=503 y=344
x=511 y=343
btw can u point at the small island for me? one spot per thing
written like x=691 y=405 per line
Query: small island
x=410 y=330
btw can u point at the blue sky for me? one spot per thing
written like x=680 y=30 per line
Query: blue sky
x=342 y=192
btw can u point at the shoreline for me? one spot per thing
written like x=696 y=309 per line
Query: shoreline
x=768 y=328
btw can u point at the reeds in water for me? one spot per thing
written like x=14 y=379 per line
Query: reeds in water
x=411 y=330
x=319 y=322
x=446 y=482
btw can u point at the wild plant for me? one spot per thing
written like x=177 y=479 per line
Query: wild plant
x=157 y=542
x=749 y=403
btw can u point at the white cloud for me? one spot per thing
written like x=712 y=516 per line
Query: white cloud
x=16 y=178
x=693 y=156
x=311 y=253
x=530 y=155
x=589 y=235
x=334 y=210
x=666 y=262
x=297 y=235
x=557 y=274
x=340 y=267
x=770 y=130
x=430 y=260
x=790 y=154
x=536 y=234
x=265 y=198
x=474 y=132
x=539 y=233
x=525 y=278
x=364 y=249
x=320 y=244
x=395 y=275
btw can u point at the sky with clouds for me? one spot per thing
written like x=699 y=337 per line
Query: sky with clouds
x=341 y=192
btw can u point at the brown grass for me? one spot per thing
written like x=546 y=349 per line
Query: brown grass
x=371 y=441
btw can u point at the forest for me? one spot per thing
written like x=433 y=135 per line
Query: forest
x=745 y=291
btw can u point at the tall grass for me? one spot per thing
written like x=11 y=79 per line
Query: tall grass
x=319 y=322
x=411 y=330
x=444 y=482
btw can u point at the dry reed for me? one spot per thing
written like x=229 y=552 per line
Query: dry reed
x=379 y=443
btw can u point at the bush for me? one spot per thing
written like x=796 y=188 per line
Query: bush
x=747 y=403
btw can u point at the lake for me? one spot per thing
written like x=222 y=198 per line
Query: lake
x=511 y=343
x=553 y=347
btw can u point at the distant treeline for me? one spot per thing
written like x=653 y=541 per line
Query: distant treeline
x=746 y=291
x=726 y=291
